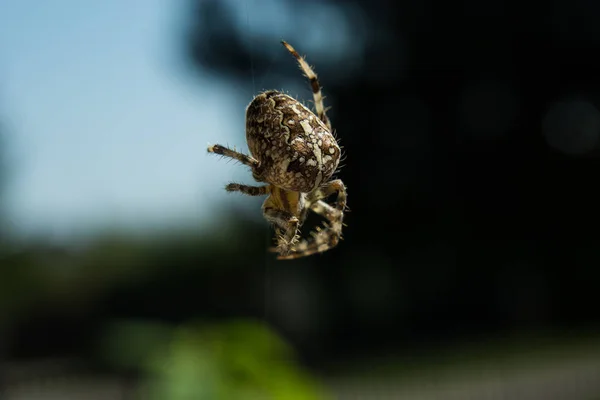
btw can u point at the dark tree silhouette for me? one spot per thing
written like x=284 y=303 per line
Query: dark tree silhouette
x=451 y=183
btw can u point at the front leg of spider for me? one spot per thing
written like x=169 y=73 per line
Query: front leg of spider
x=329 y=237
x=247 y=189
x=336 y=186
x=286 y=226
x=227 y=152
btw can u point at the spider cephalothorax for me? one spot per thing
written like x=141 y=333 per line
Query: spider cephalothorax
x=294 y=152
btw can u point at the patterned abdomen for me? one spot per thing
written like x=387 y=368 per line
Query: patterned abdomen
x=295 y=149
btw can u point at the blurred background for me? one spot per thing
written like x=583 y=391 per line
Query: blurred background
x=470 y=262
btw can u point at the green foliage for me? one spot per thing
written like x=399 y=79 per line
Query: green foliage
x=231 y=360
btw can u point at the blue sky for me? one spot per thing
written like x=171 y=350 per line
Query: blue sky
x=104 y=127
x=104 y=130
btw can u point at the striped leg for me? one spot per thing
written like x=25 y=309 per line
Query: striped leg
x=328 y=237
x=314 y=84
x=246 y=189
x=286 y=223
x=226 y=152
x=331 y=187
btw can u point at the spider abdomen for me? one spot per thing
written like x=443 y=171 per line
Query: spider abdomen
x=295 y=149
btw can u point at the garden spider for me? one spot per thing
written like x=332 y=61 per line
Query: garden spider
x=295 y=153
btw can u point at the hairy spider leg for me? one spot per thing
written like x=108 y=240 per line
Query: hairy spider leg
x=285 y=222
x=247 y=189
x=327 y=238
x=321 y=240
x=227 y=152
x=331 y=187
x=314 y=84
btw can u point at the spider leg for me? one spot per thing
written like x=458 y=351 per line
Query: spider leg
x=286 y=222
x=331 y=187
x=248 y=190
x=321 y=240
x=314 y=84
x=327 y=238
x=332 y=214
x=226 y=152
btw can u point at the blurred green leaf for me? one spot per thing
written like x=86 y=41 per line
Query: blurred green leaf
x=232 y=360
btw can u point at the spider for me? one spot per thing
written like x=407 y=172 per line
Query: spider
x=294 y=152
